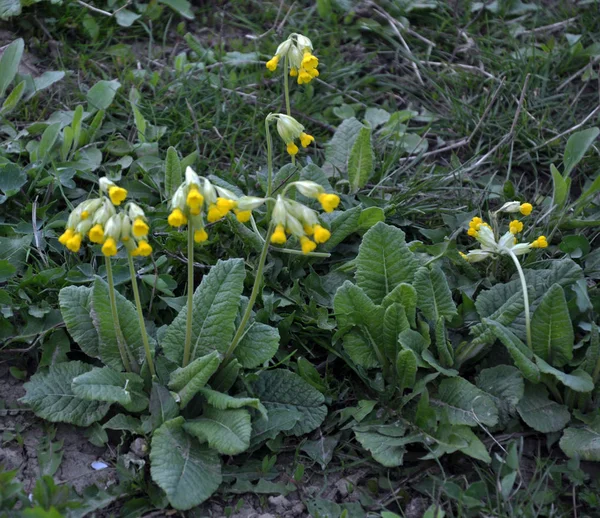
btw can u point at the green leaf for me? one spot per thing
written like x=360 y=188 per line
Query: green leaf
x=506 y=387
x=521 y=355
x=9 y=8
x=104 y=324
x=124 y=422
x=551 y=329
x=578 y=380
x=173 y=174
x=387 y=443
x=47 y=142
x=181 y=7
x=75 y=306
x=359 y=346
x=187 y=381
x=338 y=149
x=163 y=407
x=225 y=402
x=360 y=161
x=394 y=323
x=406 y=368
x=577 y=147
x=227 y=431
x=227 y=375
x=541 y=414
x=10 y=103
x=462 y=403
x=9 y=62
x=582 y=442
x=432 y=361
x=369 y=217
x=283 y=390
x=343 y=224
x=434 y=298
x=258 y=345
x=561 y=187
x=50 y=396
x=106 y=384
x=353 y=307
x=186 y=471
x=215 y=307
x=76 y=126
x=101 y=95
x=12 y=178
x=406 y=295
x=280 y=420
x=97 y=435
x=383 y=261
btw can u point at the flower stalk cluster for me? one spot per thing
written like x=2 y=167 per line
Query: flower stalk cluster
x=297 y=52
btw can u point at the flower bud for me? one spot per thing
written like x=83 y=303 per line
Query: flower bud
x=179 y=198
x=191 y=177
x=210 y=194
x=279 y=211
x=289 y=129
x=249 y=202
x=308 y=188
x=510 y=207
x=113 y=227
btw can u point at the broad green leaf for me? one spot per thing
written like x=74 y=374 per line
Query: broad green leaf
x=124 y=422
x=186 y=471
x=583 y=442
x=383 y=261
x=9 y=8
x=360 y=161
x=369 y=217
x=353 y=307
x=126 y=18
x=187 y=381
x=434 y=298
x=101 y=95
x=281 y=419
x=225 y=402
x=521 y=355
x=406 y=295
x=414 y=341
x=258 y=345
x=283 y=390
x=67 y=142
x=577 y=147
x=215 y=307
x=361 y=349
x=50 y=396
x=47 y=142
x=450 y=439
x=42 y=82
x=106 y=384
x=104 y=324
x=338 y=149
x=561 y=188
x=224 y=379
x=406 y=369
x=173 y=173
x=344 y=223
x=578 y=380
x=76 y=126
x=394 y=323
x=10 y=103
x=75 y=306
x=444 y=348
x=462 y=403
x=387 y=443
x=181 y=7
x=12 y=178
x=9 y=63
x=163 y=407
x=551 y=329
x=227 y=431
x=591 y=363
x=506 y=387
x=432 y=361
x=539 y=412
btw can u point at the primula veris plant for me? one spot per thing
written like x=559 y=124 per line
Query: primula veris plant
x=298 y=57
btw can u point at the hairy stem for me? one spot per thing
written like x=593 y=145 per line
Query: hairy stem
x=286 y=93
x=138 y=307
x=115 y=317
x=525 y=298
x=187 y=349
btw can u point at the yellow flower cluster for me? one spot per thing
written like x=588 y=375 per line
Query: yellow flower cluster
x=290 y=130
x=474 y=225
x=515 y=226
x=298 y=50
x=197 y=197
x=540 y=242
x=98 y=220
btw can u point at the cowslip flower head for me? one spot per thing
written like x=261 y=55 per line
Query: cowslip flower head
x=290 y=130
x=515 y=206
x=302 y=63
x=329 y=201
x=116 y=194
x=79 y=224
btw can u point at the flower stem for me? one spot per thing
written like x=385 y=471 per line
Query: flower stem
x=286 y=93
x=525 y=298
x=269 y=162
x=138 y=307
x=115 y=317
x=187 y=349
x=255 y=289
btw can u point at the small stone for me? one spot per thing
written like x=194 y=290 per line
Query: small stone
x=280 y=503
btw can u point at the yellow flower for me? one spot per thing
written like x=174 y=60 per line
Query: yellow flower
x=117 y=194
x=515 y=226
x=177 y=218
x=272 y=63
x=194 y=199
x=306 y=139
x=96 y=234
x=328 y=201
x=243 y=216
x=200 y=235
x=472 y=232
x=140 y=228
x=540 y=242
x=309 y=61
x=279 y=237
x=293 y=71
x=225 y=205
x=74 y=243
x=307 y=245
x=321 y=234
x=109 y=248
x=85 y=214
x=214 y=214
x=526 y=209
x=292 y=148
x=144 y=249
x=65 y=236
x=309 y=230
x=304 y=77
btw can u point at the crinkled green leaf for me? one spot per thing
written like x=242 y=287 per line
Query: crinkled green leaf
x=227 y=431
x=462 y=403
x=50 y=396
x=539 y=412
x=163 y=407
x=394 y=323
x=582 y=442
x=361 y=349
x=258 y=345
x=101 y=95
x=578 y=380
x=506 y=387
x=406 y=369
x=225 y=401
x=360 y=161
x=187 y=381
x=339 y=147
x=406 y=295
x=434 y=298
x=173 y=173
x=75 y=306
x=281 y=419
x=106 y=384
x=387 y=443
x=186 y=471
x=124 y=422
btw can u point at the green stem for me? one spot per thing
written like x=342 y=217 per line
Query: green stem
x=286 y=93
x=115 y=316
x=255 y=289
x=269 y=160
x=525 y=298
x=187 y=349
x=138 y=307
